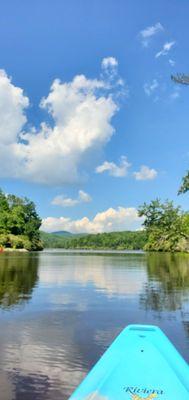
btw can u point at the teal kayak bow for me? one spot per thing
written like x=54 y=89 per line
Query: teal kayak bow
x=140 y=364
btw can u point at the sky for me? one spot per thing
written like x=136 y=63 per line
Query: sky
x=91 y=125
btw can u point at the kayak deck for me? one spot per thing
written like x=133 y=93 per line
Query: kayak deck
x=140 y=364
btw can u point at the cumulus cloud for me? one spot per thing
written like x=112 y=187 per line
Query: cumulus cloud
x=12 y=110
x=115 y=170
x=150 y=87
x=64 y=201
x=81 y=112
x=145 y=173
x=165 y=50
x=146 y=34
x=107 y=221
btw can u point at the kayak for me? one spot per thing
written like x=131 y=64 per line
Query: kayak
x=140 y=364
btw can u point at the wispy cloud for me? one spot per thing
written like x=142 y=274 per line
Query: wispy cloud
x=172 y=62
x=146 y=34
x=165 y=50
x=145 y=173
x=115 y=170
x=150 y=87
x=109 y=62
x=109 y=74
x=64 y=201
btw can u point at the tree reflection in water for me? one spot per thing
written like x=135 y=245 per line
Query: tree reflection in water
x=18 y=277
x=168 y=285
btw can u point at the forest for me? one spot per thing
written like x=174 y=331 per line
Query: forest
x=127 y=240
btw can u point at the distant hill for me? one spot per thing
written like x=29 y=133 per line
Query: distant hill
x=62 y=233
x=68 y=234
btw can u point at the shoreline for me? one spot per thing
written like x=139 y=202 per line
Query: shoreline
x=10 y=250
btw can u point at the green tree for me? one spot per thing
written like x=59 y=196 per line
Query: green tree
x=16 y=217
x=4 y=213
x=32 y=220
x=185 y=184
x=19 y=223
x=182 y=79
x=166 y=225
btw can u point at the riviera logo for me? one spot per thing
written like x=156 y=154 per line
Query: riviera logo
x=136 y=393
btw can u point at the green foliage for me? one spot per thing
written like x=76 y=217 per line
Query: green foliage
x=114 y=240
x=167 y=226
x=19 y=223
x=185 y=184
x=4 y=240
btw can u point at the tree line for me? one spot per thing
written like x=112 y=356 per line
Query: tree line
x=128 y=240
x=165 y=228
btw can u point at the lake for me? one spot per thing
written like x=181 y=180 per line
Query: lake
x=60 y=310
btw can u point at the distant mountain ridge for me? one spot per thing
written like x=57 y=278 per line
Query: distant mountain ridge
x=62 y=233
x=124 y=240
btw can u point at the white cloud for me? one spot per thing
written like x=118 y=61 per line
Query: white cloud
x=145 y=173
x=146 y=34
x=171 y=62
x=150 y=87
x=82 y=112
x=111 y=78
x=84 y=197
x=109 y=62
x=107 y=221
x=64 y=201
x=12 y=106
x=113 y=169
x=165 y=50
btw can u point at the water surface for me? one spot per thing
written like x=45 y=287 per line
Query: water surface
x=60 y=310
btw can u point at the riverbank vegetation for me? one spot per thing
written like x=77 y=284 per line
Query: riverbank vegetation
x=19 y=223
x=103 y=241
x=166 y=226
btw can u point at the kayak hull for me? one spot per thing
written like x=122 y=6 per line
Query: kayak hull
x=140 y=364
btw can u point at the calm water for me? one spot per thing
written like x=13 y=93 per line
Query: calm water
x=59 y=311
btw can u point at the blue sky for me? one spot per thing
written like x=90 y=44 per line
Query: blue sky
x=91 y=124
